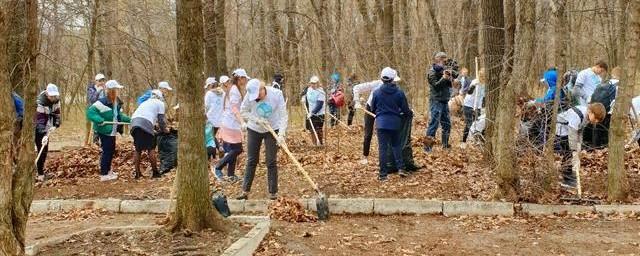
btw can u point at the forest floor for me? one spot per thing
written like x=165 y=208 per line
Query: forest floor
x=456 y=174
x=438 y=235
x=122 y=242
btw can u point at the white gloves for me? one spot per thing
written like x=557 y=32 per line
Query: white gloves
x=303 y=100
x=244 y=127
x=358 y=105
x=262 y=122
x=45 y=140
x=53 y=128
x=281 y=138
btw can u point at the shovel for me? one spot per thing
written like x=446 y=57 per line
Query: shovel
x=322 y=205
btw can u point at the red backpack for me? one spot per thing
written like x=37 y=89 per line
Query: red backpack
x=338 y=98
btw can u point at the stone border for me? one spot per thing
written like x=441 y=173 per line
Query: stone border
x=378 y=206
x=245 y=245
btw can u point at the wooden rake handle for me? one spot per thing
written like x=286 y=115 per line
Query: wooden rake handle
x=340 y=122
x=284 y=147
x=367 y=112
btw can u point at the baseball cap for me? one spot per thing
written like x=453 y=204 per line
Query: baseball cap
x=164 y=85
x=440 y=55
x=224 y=79
x=209 y=81
x=253 y=89
x=314 y=79
x=388 y=74
x=240 y=73
x=52 y=90
x=113 y=84
x=100 y=77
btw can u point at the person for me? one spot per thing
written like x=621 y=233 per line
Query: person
x=106 y=116
x=163 y=86
x=210 y=145
x=390 y=105
x=440 y=79
x=95 y=90
x=46 y=121
x=149 y=114
x=465 y=81
x=472 y=104
x=348 y=91
x=570 y=123
x=315 y=97
x=358 y=90
x=231 y=125
x=634 y=113
x=587 y=81
x=18 y=104
x=264 y=110
x=278 y=81
x=605 y=94
x=336 y=101
x=213 y=104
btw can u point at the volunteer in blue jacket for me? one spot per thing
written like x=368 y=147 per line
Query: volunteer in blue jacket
x=390 y=105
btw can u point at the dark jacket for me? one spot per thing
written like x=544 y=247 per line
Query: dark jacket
x=47 y=113
x=390 y=105
x=93 y=94
x=605 y=94
x=440 y=89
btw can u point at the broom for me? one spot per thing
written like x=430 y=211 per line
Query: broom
x=322 y=204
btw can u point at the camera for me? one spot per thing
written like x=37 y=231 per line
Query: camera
x=451 y=67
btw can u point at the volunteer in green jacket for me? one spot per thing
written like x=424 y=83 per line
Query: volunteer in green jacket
x=103 y=114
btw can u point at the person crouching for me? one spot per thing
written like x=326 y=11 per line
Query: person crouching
x=390 y=106
x=146 y=116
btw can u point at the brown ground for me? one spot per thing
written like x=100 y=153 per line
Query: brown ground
x=153 y=242
x=437 y=235
x=453 y=175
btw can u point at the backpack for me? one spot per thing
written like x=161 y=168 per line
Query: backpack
x=144 y=97
x=605 y=94
x=337 y=98
x=570 y=78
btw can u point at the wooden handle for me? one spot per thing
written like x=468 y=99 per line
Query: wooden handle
x=313 y=128
x=340 y=122
x=368 y=112
x=284 y=147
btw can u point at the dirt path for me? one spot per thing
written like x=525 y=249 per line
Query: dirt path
x=437 y=235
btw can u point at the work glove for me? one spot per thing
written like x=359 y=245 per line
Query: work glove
x=303 y=100
x=243 y=127
x=280 y=139
x=45 y=140
x=52 y=129
x=262 y=122
x=358 y=105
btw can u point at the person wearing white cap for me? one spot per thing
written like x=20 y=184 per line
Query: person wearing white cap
x=46 y=121
x=358 y=91
x=213 y=104
x=389 y=103
x=230 y=132
x=264 y=109
x=106 y=116
x=149 y=114
x=315 y=99
x=165 y=88
x=95 y=90
x=240 y=78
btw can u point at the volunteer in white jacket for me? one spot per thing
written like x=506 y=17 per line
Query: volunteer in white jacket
x=358 y=90
x=213 y=104
x=472 y=104
x=146 y=116
x=263 y=107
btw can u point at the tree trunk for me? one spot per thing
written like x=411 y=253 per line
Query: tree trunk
x=617 y=183
x=221 y=38
x=291 y=54
x=469 y=46
x=274 y=38
x=105 y=37
x=16 y=190
x=193 y=208
x=387 y=33
x=16 y=43
x=210 y=40
x=492 y=20
x=436 y=26
x=371 y=42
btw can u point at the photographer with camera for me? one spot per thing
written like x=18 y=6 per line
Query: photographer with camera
x=440 y=78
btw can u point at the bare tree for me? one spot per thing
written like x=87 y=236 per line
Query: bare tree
x=193 y=209
x=431 y=7
x=210 y=40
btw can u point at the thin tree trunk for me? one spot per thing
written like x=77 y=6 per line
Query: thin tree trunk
x=193 y=208
x=617 y=183
x=221 y=38
x=210 y=40
x=436 y=25
x=387 y=33
x=105 y=38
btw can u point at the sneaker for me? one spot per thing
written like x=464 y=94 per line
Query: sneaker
x=567 y=186
x=156 y=174
x=218 y=174
x=364 y=161
x=383 y=179
x=273 y=196
x=108 y=177
x=427 y=149
x=403 y=173
x=243 y=196
x=463 y=145
x=41 y=178
x=136 y=175
x=233 y=179
x=113 y=173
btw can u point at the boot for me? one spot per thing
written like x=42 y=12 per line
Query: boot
x=155 y=174
x=137 y=174
x=445 y=140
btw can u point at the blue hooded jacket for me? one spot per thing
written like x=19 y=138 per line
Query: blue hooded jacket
x=18 y=102
x=390 y=105
x=551 y=78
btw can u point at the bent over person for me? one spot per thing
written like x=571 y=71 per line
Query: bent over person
x=265 y=111
x=144 y=119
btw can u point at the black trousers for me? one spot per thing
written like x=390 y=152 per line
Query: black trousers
x=368 y=132
x=352 y=113
x=254 y=143
x=563 y=148
x=43 y=156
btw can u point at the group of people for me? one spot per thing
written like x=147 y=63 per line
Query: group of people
x=240 y=110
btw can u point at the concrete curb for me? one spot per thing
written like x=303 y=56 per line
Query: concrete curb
x=246 y=245
x=379 y=206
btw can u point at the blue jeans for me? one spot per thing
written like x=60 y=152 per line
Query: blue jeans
x=231 y=152
x=108 y=145
x=440 y=116
x=389 y=139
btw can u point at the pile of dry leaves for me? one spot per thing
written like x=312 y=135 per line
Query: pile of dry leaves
x=291 y=210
